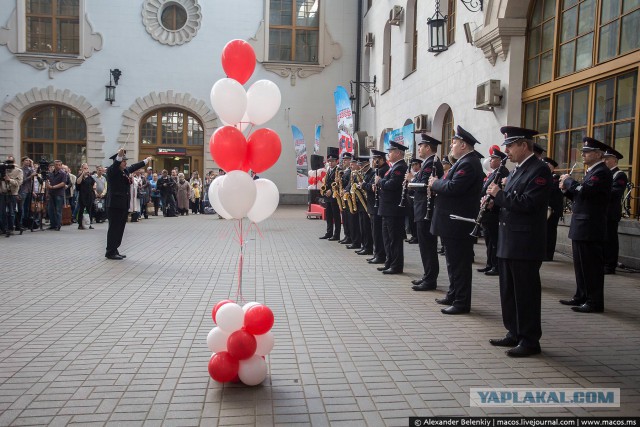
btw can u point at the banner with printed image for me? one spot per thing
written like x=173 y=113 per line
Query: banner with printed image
x=345 y=120
x=301 y=158
x=404 y=136
x=316 y=142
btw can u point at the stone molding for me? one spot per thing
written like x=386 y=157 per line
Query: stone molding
x=494 y=40
x=13 y=111
x=151 y=18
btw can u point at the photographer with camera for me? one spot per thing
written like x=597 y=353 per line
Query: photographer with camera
x=167 y=187
x=24 y=193
x=85 y=189
x=56 y=185
x=10 y=180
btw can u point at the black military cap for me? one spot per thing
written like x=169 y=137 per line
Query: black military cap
x=514 y=133
x=124 y=156
x=590 y=144
x=611 y=152
x=426 y=139
x=479 y=154
x=497 y=154
x=354 y=159
x=550 y=161
x=415 y=160
x=465 y=136
x=363 y=159
x=538 y=149
x=445 y=160
x=332 y=153
x=378 y=153
x=345 y=155
x=397 y=145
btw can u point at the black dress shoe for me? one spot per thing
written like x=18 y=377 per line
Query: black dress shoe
x=504 y=342
x=384 y=267
x=417 y=281
x=376 y=261
x=412 y=240
x=444 y=301
x=392 y=271
x=354 y=247
x=571 y=301
x=492 y=272
x=484 y=270
x=522 y=351
x=116 y=257
x=588 y=308
x=332 y=239
x=364 y=252
x=424 y=287
x=345 y=242
x=121 y=255
x=326 y=236
x=455 y=310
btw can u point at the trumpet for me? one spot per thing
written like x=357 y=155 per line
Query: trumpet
x=485 y=204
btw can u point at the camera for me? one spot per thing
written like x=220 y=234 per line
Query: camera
x=4 y=167
x=43 y=168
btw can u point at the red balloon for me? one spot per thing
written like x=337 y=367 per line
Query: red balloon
x=223 y=367
x=238 y=60
x=217 y=307
x=241 y=344
x=323 y=174
x=263 y=149
x=228 y=148
x=312 y=180
x=258 y=319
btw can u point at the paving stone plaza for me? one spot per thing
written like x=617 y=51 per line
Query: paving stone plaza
x=92 y=341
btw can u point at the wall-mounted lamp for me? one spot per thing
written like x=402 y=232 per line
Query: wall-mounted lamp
x=437 y=31
x=110 y=89
x=473 y=5
x=370 y=87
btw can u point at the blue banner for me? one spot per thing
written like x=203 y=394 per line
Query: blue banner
x=316 y=142
x=404 y=136
x=301 y=158
x=345 y=119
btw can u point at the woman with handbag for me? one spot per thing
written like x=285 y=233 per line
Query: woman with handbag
x=86 y=195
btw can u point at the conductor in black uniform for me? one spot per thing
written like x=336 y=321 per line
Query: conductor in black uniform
x=332 y=211
x=556 y=208
x=118 y=195
x=490 y=217
x=588 y=228
x=521 y=242
x=614 y=210
x=380 y=168
x=423 y=203
x=458 y=194
x=391 y=186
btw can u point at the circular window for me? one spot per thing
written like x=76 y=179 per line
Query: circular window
x=171 y=22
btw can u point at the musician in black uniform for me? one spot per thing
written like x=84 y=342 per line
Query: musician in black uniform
x=118 y=186
x=556 y=208
x=588 y=228
x=391 y=188
x=380 y=168
x=490 y=216
x=365 y=173
x=345 y=172
x=458 y=194
x=410 y=224
x=423 y=203
x=332 y=211
x=614 y=210
x=521 y=242
x=354 y=220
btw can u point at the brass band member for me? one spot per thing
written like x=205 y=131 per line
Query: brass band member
x=458 y=193
x=365 y=173
x=391 y=186
x=380 y=168
x=352 y=210
x=614 y=210
x=346 y=179
x=410 y=226
x=521 y=242
x=556 y=207
x=332 y=212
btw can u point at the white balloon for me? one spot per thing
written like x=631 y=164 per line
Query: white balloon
x=264 y=343
x=217 y=340
x=242 y=125
x=237 y=193
x=248 y=305
x=214 y=198
x=267 y=199
x=230 y=317
x=229 y=100
x=263 y=101
x=253 y=370
x=485 y=164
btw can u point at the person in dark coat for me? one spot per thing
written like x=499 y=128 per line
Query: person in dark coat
x=458 y=194
x=423 y=202
x=391 y=187
x=118 y=195
x=86 y=194
x=588 y=228
x=410 y=224
x=345 y=182
x=614 y=210
x=332 y=211
x=490 y=216
x=380 y=168
x=365 y=172
x=556 y=210
x=352 y=216
x=521 y=242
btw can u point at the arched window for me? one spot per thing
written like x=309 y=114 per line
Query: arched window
x=55 y=133
x=53 y=26
x=448 y=130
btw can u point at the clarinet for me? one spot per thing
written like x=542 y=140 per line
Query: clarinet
x=376 y=189
x=484 y=207
x=430 y=198
x=403 y=196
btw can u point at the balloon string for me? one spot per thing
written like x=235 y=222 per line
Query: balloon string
x=238 y=228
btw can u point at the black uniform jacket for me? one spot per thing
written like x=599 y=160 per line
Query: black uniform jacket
x=492 y=213
x=391 y=185
x=118 y=184
x=369 y=183
x=420 y=195
x=556 y=199
x=523 y=211
x=330 y=178
x=458 y=194
x=590 y=201
x=620 y=180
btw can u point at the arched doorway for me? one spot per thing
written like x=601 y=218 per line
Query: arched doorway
x=448 y=130
x=54 y=132
x=175 y=138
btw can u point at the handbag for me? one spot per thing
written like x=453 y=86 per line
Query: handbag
x=99 y=204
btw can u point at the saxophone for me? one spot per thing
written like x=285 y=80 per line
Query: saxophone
x=323 y=188
x=336 y=187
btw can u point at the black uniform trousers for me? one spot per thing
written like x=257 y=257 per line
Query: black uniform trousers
x=588 y=263
x=332 y=216
x=490 y=231
x=117 y=221
x=552 y=236
x=346 y=222
x=520 y=298
x=459 y=256
x=428 y=244
x=379 y=251
x=411 y=226
x=354 y=228
x=392 y=227
x=611 y=247
x=365 y=230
